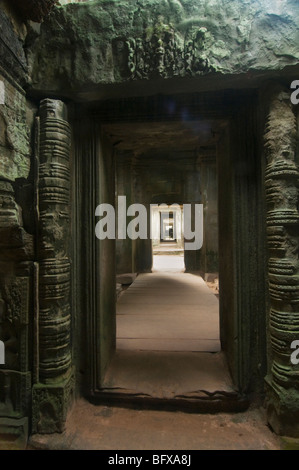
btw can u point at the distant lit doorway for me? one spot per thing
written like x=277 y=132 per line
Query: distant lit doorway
x=167 y=237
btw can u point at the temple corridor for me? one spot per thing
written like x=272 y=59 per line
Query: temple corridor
x=148 y=150
x=168 y=311
x=168 y=344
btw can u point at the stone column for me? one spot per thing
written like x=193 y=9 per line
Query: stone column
x=54 y=372
x=124 y=183
x=141 y=249
x=192 y=195
x=209 y=252
x=16 y=247
x=281 y=180
x=16 y=272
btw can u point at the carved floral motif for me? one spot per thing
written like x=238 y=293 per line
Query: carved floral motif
x=162 y=52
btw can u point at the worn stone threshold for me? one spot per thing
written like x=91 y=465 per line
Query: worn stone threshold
x=185 y=381
x=197 y=402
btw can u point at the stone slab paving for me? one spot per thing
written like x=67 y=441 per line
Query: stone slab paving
x=168 y=311
x=94 y=427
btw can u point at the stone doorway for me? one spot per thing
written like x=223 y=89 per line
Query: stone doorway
x=103 y=139
x=167 y=237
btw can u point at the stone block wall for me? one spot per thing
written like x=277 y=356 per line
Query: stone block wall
x=16 y=261
x=144 y=47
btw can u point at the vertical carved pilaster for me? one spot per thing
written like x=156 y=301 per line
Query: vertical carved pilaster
x=51 y=394
x=281 y=180
x=16 y=253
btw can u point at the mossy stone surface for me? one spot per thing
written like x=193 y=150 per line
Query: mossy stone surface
x=86 y=44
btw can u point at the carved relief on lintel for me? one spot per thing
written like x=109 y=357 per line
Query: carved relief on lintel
x=163 y=52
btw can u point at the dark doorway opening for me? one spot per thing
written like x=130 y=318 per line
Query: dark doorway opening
x=222 y=123
x=167 y=321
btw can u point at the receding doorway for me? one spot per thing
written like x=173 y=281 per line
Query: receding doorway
x=167 y=318
x=150 y=142
x=167 y=236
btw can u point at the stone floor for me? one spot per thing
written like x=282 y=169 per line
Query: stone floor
x=168 y=345
x=173 y=380
x=168 y=311
x=91 y=427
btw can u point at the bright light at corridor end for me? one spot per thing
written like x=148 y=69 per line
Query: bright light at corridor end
x=138 y=227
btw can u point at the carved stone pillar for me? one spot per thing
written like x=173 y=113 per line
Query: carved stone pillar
x=53 y=372
x=15 y=309
x=281 y=179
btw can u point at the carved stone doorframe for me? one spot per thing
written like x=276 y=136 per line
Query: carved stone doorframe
x=281 y=185
x=53 y=375
x=243 y=323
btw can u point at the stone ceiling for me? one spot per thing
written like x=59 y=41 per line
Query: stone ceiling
x=143 y=137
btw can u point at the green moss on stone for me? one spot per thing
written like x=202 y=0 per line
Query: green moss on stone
x=80 y=44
